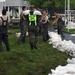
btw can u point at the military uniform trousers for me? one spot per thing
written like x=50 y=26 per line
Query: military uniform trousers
x=33 y=32
x=23 y=32
x=45 y=32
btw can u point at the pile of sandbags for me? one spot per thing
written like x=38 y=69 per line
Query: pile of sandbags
x=71 y=25
x=64 y=46
x=69 y=69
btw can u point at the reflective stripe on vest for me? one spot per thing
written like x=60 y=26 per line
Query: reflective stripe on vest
x=32 y=18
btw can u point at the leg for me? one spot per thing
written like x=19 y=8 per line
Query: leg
x=5 y=40
x=44 y=35
x=0 y=42
x=24 y=37
x=30 y=38
x=21 y=38
x=47 y=36
x=36 y=32
x=60 y=31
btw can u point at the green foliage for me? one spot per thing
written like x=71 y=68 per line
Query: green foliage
x=53 y=4
x=72 y=5
x=21 y=60
x=48 y=3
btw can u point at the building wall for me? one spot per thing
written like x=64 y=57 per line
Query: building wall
x=13 y=2
x=16 y=3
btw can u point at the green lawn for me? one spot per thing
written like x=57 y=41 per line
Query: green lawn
x=21 y=60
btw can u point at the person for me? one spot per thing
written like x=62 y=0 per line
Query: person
x=39 y=24
x=33 y=30
x=3 y=30
x=44 y=21
x=59 y=22
x=22 y=27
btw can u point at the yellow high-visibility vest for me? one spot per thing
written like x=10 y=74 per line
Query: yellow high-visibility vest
x=32 y=18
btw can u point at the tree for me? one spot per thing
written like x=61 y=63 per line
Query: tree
x=72 y=4
x=52 y=4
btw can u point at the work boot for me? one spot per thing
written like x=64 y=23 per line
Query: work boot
x=35 y=47
x=31 y=45
x=62 y=37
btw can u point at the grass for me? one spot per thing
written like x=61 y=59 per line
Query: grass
x=21 y=60
x=70 y=30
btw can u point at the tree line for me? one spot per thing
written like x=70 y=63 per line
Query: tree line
x=52 y=4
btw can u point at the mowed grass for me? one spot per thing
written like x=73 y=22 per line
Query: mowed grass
x=21 y=60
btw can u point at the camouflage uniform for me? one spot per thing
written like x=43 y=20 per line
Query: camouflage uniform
x=23 y=29
x=33 y=29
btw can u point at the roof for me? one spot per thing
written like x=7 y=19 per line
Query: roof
x=16 y=2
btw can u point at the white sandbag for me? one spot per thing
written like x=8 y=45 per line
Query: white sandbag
x=69 y=69
x=71 y=25
x=36 y=12
x=71 y=61
x=64 y=46
x=18 y=34
x=26 y=12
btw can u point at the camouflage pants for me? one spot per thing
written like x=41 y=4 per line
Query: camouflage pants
x=23 y=32
x=33 y=35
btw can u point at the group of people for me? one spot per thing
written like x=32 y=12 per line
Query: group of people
x=34 y=21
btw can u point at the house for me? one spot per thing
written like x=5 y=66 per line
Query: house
x=14 y=7
x=1 y=5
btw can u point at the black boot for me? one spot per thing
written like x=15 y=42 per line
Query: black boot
x=31 y=45
x=35 y=47
x=8 y=48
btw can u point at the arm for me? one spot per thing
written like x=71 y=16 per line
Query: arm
x=54 y=22
x=23 y=17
